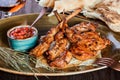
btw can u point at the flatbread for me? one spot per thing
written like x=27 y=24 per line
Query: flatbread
x=42 y=62
x=66 y=5
x=47 y=3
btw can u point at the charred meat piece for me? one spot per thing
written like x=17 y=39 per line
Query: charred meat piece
x=62 y=61
x=93 y=41
x=62 y=43
x=84 y=27
x=59 y=47
x=49 y=37
x=88 y=46
x=45 y=44
x=59 y=36
x=82 y=53
x=73 y=33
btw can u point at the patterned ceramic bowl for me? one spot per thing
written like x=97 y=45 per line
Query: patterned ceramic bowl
x=22 y=38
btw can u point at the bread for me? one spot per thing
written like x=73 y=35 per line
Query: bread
x=67 y=5
x=108 y=11
x=42 y=62
x=47 y=3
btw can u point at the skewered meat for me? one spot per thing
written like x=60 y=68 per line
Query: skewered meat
x=59 y=47
x=49 y=38
x=46 y=41
x=88 y=46
x=98 y=43
x=63 y=43
x=85 y=41
x=62 y=61
x=59 y=36
x=81 y=52
x=74 y=32
x=83 y=27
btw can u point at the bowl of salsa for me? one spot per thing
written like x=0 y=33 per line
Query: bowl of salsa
x=22 y=38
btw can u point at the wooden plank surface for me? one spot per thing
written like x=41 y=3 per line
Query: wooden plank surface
x=105 y=74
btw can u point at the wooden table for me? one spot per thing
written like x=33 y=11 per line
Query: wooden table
x=105 y=74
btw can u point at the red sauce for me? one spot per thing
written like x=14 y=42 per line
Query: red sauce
x=22 y=33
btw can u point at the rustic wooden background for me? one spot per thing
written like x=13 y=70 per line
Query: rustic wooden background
x=105 y=74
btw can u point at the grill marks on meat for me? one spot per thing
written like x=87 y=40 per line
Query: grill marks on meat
x=85 y=41
x=46 y=41
x=93 y=41
x=88 y=46
x=59 y=47
x=74 y=33
x=62 y=61
x=54 y=45
x=80 y=41
x=62 y=43
x=83 y=27
x=80 y=52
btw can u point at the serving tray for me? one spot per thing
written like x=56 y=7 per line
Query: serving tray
x=43 y=25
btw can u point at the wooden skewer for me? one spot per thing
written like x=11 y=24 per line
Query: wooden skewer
x=63 y=21
x=77 y=11
x=78 y=16
x=57 y=16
